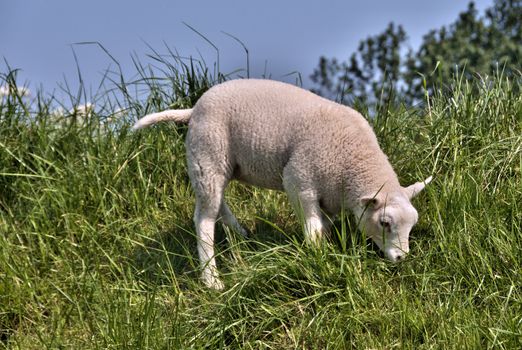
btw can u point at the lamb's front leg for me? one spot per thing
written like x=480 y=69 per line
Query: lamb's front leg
x=304 y=199
x=306 y=204
x=314 y=226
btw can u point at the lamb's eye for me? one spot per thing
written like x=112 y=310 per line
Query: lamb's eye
x=384 y=223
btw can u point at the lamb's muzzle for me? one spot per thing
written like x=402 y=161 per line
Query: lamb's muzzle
x=274 y=135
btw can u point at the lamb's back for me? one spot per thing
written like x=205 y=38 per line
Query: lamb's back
x=267 y=113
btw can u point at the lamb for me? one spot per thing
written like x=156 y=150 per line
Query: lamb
x=278 y=136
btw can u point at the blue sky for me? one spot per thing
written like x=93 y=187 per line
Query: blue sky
x=287 y=36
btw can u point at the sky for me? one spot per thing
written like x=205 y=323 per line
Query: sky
x=39 y=36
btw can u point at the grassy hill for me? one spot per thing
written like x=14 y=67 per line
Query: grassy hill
x=97 y=244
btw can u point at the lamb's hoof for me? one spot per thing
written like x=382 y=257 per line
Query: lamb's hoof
x=213 y=283
x=244 y=232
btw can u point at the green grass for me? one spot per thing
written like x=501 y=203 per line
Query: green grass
x=97 y=245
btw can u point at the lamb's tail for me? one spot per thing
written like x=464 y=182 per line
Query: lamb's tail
x=175 y=115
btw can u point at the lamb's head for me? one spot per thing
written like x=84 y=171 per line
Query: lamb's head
x=389 y=217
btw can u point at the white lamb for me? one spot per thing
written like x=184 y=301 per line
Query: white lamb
x=275 y=135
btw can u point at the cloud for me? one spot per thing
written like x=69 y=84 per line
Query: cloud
x=21 y=91
x=85 y=110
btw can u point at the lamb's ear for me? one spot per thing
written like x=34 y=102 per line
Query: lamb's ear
x=373 y=202
x=413 y=190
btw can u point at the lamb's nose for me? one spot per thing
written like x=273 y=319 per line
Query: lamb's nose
x=396 y=255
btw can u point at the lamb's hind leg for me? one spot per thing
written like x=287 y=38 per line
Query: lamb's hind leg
x=230 y=220
x=209 y=184
x=210 y=203
x=207 y=209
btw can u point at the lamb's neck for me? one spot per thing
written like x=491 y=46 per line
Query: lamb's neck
x=373 y=176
